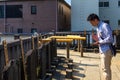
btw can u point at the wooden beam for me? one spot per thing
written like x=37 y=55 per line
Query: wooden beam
x=6 y=52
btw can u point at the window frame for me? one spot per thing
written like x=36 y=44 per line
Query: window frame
x=106 y=4
x=34 y=9
x=119 y=3
x=119 y=22
x=20 y=30
x=13 y=11
x=2 y=11
x=101 y=4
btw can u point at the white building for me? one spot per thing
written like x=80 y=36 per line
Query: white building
x=80 y=11
x=108 y=10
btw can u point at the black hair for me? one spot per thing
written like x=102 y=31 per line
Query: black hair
x=92 y=17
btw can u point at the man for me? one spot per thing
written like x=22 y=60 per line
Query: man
x=104 y=35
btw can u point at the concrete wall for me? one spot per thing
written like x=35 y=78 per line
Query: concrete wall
x=80 y=11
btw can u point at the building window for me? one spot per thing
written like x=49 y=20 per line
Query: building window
x=20 y=30
x=103 y=4
x=14 y=11
x=106 y=4
x=1 y=11
x=118 y=3
x=107 y=21
x=33 y=30
x=33 y=10
x=118 y=22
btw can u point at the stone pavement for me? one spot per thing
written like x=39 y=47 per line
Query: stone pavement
x=88 y=67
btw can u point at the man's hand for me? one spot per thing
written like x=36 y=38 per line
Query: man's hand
x=94 y=37
x=96 y=43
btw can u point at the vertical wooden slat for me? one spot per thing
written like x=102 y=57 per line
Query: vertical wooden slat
x=81 y=48
x=23 y=59
x=68 y=46
x=33 y=46
x=78 y=45
x=6 y=52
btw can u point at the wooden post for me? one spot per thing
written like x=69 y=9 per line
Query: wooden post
x=78 y=45
x=54 y=48
x=23 y=59
x=70 y=65
x=69 y=73
x=85 y=32
x=49 y=57
x=38 y=42
x=81 y=49
x=33 y=46
x=68 y=46
x=6 y=52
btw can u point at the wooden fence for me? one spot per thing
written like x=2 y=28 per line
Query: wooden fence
x=25 y=59
x=87 y=43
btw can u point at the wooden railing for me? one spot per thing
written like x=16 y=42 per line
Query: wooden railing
x=89 y=41
x=26 y=59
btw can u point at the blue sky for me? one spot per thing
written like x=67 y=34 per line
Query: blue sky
x=68 y=1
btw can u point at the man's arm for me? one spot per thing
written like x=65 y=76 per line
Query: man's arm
x=108 y=33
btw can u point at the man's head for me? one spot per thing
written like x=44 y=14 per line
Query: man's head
x=93 y=19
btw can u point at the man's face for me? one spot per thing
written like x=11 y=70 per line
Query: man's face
x=94 y=22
